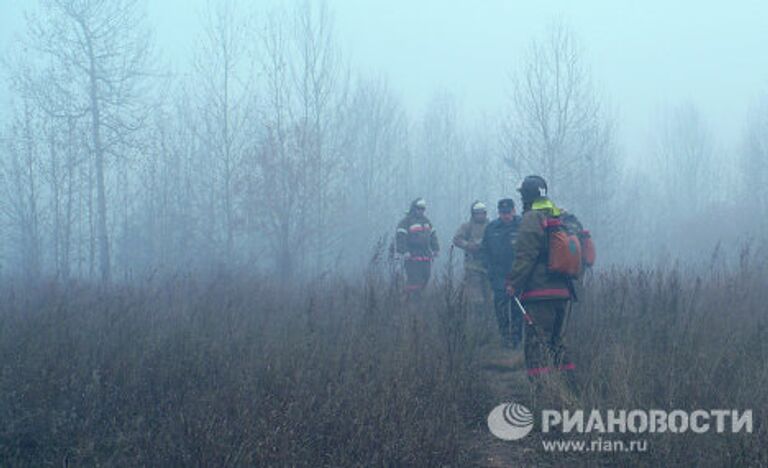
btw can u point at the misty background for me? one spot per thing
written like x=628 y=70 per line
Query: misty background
x=291 y=136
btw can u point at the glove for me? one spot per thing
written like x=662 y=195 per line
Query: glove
x=510 y=289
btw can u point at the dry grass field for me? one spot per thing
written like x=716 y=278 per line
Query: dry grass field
x=235 y=370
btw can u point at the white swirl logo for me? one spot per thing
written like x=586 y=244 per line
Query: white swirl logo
x=510 y=421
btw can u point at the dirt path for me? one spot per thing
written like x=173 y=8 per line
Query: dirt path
x=504 y=371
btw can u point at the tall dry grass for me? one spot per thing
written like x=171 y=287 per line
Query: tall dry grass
x=238 y=370
x=231 y=371
x=680 y=338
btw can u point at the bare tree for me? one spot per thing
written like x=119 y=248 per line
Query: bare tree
x=95 y=57
x=280 y=190
x=558 y=128
x=377 y=158
x=225 y=68
x=685 y=159
x=320 y=82
x=442 y=156
x=179 y=179
x=20 y=173
x=54 y=175
x=300 y=158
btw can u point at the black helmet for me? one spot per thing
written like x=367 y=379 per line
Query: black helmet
x=505 y=205
x=532 y=188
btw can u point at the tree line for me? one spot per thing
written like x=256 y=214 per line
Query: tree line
x=273 y=152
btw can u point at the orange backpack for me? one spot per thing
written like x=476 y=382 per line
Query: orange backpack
x=569 y=246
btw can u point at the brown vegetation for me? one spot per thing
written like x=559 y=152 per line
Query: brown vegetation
x=237 y=370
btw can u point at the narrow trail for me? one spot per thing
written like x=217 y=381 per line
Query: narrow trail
x=504 y=371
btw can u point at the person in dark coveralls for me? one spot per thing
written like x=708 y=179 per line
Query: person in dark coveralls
x=498 y=252
x=416 y=241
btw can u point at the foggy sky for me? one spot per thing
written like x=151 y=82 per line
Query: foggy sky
x=644 y=55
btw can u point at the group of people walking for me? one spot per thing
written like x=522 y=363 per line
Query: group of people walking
x=528 y=263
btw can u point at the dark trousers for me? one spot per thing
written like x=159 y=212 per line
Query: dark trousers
x=544 y=339
x=510 y=321
x=417 y=274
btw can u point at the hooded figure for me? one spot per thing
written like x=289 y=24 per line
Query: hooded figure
x=416 y=241
x=469 y=238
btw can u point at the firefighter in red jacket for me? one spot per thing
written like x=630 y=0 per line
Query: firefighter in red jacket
x=416 y=241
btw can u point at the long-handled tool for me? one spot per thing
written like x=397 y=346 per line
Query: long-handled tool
x=526 y=316
x=529 y=320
